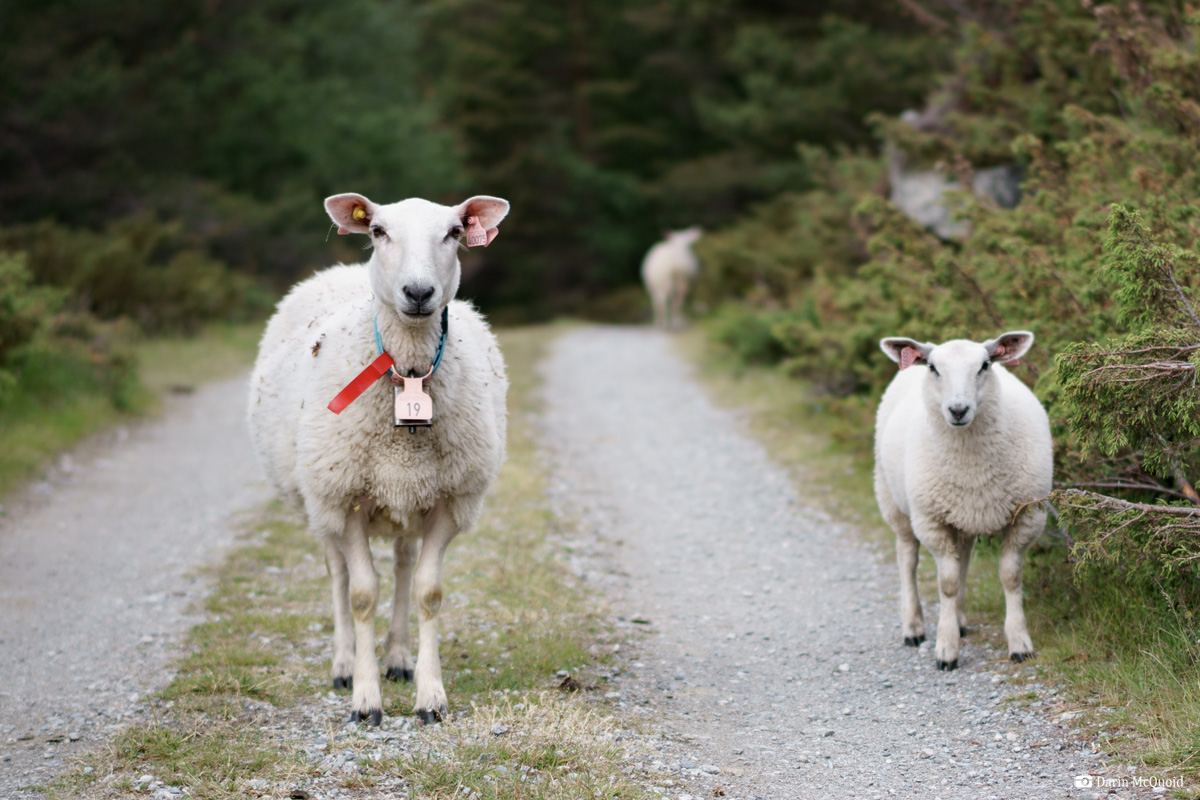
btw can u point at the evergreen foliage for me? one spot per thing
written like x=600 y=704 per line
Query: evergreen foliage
x=1098 y=104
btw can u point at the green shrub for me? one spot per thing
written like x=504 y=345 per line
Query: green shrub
x=22 y=306
x=1101 y=106
x=137 y=268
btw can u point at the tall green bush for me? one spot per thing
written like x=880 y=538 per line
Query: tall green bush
x=1100 y=105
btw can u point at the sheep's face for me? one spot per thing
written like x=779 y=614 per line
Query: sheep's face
x=958 y=380
x=414 y=267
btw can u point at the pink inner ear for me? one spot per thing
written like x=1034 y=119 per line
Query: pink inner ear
x=342 y=231
x=908 y=357
x=492 y=233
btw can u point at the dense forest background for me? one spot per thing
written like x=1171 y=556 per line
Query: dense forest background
x=164 y=163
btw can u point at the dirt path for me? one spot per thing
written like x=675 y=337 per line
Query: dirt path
x=97 y=574
x=773 y=666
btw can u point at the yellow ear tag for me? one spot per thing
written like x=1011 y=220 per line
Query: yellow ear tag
x=360 y=213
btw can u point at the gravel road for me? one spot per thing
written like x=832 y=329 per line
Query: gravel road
x=97 y=574
x=773 y=665
x=767 y=660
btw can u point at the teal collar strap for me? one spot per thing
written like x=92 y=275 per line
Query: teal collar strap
x=441 y=348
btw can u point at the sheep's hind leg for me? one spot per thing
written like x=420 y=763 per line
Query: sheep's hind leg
x=912 y=620
x=343 y=623
x=431 y=704
x=367 y=703
x=965 y=545
x=398 y=660
x=1012 y=551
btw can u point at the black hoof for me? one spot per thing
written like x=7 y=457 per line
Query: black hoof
x=946 y=666
x=344 y=683
x=1019 y=657
x=372 y=717
x=429 y=717
x=962 y=630
x=399 y=674
x=914 y=641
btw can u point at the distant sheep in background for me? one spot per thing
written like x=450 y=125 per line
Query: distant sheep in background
x=961 y=446
x=347 y=465
x=668 y=271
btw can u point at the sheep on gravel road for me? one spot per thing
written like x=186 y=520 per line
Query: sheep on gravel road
x=668 y=271
x=962 y=449
x=356 y=466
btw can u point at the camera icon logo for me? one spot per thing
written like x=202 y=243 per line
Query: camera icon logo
x=1085 y=781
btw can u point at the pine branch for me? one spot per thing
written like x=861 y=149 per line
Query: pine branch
x=1130 y=485
x=1107 y=503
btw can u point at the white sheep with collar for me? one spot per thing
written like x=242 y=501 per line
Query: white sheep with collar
x=353 y=473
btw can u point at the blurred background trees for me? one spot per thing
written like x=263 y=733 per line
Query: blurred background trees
x=164 y=163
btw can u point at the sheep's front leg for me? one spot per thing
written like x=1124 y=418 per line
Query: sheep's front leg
x=965 y=545
x=660 y=310
x=431 y=704
x=942 y=542
x=1012 y=550
x=398 y=660
x=679 y=292
x=343 y=623
x=367 y=703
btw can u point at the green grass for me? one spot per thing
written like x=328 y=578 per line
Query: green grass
x=180 y=364
x=57 y=402
x=512 y=618
x=1128 y=656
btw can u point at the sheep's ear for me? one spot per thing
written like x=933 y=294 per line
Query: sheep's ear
x=1008 y=347
x=487 y=210
x=480 y=215
x=351 y=212
x=905 y=351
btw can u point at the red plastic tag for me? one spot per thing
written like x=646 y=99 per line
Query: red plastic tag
x=356 y=387
x=908 y=357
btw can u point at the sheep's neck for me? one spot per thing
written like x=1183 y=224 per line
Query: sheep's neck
x=411 y=346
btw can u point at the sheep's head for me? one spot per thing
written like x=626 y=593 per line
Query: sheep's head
x=414 y=267
x=686 y=237
x=958 y=380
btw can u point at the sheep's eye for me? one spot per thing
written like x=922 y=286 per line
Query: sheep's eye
x=376 y=230
x=933 y=369
x=454 y=233
x=983 y=369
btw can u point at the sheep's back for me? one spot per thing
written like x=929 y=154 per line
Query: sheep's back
x=666 y=260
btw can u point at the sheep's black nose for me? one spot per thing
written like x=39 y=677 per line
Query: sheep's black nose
x=958 y=412
x=418 y=294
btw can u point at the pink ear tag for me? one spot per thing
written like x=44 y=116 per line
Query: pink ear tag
x=413 y=406
x=908 y=357
x=477 y=236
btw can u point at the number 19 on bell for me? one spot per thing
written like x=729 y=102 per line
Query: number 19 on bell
x=413 y=405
